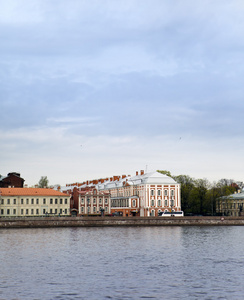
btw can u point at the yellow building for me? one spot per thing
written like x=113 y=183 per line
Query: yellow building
x=30 y=202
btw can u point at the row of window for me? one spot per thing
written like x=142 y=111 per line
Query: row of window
x=32 y=201
x=120 y=203
x=166 y=202
x=94 y=201
x=35 y=211
x=94 y=209
x=172 y=192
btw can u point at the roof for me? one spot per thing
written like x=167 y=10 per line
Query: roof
x=236 y=196
x=148 y=178
x=153 y=178
x=30 y=192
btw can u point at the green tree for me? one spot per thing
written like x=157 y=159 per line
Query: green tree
x=187 y=185
x=43 y=182
x=165 y=172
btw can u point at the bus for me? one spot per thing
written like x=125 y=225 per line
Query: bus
x=171 y=214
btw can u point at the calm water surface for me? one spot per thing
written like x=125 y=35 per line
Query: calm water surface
x=122 y=263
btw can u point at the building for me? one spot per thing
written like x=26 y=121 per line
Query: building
x=89 y=201
x=32 y=202
x=231 y=205
x=139 y=195
x=12 y=180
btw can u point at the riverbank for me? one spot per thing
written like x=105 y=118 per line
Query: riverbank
x=118 y=221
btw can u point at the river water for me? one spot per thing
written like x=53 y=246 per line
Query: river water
x=122 y=263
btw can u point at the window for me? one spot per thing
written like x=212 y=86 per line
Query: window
x=8 y=211
x=100 y=200
x=27 y=201
x=65 y=211
x=37 y=201
x=14 y=211
x=152 y=202
x=134 y=203
x=165 y=192
x=51 y=201
x=37 y=211
x=56 y=211
x=51 y=210
x=159 y=192
x=61 y=201
x=159 y=202
x=66 y=201
x=44 y=210
x=27 y=211
x=2 y=211
x=82 y=200
x=88 y=209
x=94 y=209
x=32 y=211
x=14 y=201
x=152 y=192
x=22 y=211
x=106 y=201
x=56 y=201
x=2 y=201
x=82 y=209
x=8 y=201
x=32 y=201
x=60 y=211
x=172 y=192
x=106 y=209
x=22 y=201
x=44 y=201
x=165 y=202
x=94 y=200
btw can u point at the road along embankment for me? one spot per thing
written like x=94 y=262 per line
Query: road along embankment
x=46 y=222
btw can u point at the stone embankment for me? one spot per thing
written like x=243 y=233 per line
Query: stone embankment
x=118 y=221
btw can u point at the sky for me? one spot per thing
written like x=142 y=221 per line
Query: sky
x=92 y=89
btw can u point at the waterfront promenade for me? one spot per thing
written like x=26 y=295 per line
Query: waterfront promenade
x=118 y=221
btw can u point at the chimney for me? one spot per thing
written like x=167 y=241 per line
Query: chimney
x=136 y=173
x=142 y=172
x=123 y=176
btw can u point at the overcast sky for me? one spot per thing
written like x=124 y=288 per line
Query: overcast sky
x=91 y=89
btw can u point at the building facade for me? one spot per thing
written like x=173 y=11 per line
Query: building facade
x=32 y=202
x=231 y=205
x=140 y=195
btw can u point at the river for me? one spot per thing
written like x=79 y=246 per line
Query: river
x=122 y=263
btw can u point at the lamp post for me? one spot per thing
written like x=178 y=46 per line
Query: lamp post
x=171 y=204
x=88 y=201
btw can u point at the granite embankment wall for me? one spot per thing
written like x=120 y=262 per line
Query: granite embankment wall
x=118 y=221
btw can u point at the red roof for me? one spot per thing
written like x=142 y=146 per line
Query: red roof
x=30 y=192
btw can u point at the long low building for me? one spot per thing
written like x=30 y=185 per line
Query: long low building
x=145 y=194
x=23 y=202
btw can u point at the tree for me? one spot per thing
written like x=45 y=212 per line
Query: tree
x=187 y=185
x=43 y=182
x=165 y=172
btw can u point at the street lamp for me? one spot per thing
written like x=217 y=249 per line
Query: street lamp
x=88 y=201
x=171 y=204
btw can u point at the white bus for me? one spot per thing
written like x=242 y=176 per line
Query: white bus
x=171 y=214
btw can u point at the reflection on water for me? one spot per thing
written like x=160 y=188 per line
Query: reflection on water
x=122 y=263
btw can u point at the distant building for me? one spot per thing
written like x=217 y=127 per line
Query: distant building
x=141 y=195
x=30 y=202
x=232 y=205
x=12 y=180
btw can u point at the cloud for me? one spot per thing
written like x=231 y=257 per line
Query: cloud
x=128 y=78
